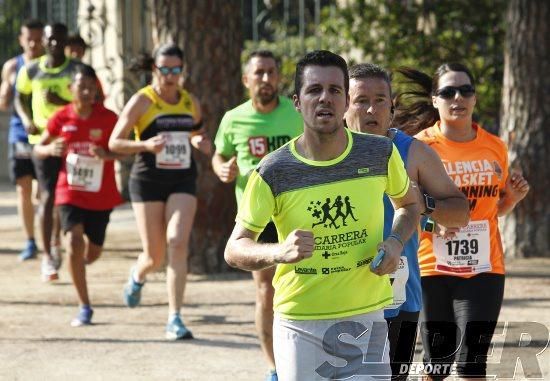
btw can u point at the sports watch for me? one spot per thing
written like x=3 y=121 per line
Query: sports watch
x=429 y=204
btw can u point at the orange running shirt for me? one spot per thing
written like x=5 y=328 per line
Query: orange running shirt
x=480 y=169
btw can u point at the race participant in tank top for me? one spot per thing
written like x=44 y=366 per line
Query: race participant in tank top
x=86 y=191
x=21 y=169
x=462 y=270
x=166 y=121
x=371 y=111
x=43 y=88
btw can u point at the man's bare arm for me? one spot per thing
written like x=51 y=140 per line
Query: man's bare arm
x=451 y=207
x=6 y=86
x=405 y=222
x=242 y=250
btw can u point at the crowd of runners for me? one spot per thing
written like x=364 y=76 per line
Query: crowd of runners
x=361 y=212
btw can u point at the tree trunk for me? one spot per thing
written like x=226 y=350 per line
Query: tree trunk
x=525 y=121
x=210 y=33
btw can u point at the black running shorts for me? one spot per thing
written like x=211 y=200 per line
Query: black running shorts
x=94 y=221
x=144 y=191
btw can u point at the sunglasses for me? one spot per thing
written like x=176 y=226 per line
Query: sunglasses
x=165 y=70
x=449 y=92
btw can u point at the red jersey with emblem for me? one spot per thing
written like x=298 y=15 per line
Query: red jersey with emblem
x=480 y=169
x=85 y=181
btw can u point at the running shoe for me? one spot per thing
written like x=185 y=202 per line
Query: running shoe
x=29 y=252
x=84 y=317
x=176 y=330
x=49 y=273
x=55 y=252
x=272 y=376
x=132 y=291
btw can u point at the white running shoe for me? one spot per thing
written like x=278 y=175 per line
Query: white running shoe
x=49 y=272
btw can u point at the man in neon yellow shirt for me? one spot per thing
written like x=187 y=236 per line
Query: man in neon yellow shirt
x=246 y=134
x=324 y=192
x=43 y=87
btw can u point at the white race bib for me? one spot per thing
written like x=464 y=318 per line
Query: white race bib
x=468 y=253
x=23 y=150
x=84 y=173
x=176 y=153
x=398 y=281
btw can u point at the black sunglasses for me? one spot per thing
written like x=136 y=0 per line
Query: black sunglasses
x=165 y=70
x=448 y=92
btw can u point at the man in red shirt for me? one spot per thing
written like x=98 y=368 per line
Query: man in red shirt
x=86 y=192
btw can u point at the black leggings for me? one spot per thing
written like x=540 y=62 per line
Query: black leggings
x=458 y=320
x=402 y=337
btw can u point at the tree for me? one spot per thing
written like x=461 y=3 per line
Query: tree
x=210 y=33
x=424 y=34
x=525 y=119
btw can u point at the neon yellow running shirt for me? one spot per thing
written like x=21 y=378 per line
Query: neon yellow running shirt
x=341 y=201
x=250 y=135
x=35 y=78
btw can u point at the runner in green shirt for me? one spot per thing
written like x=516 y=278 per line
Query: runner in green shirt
x=324 y=192
x=246 y=134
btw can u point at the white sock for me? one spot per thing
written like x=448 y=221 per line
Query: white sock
x=135 y=278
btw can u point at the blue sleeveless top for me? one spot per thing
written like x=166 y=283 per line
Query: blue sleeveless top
x=17 y=131
x=413 y=287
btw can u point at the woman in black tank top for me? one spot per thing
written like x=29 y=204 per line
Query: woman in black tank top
x=166 y=121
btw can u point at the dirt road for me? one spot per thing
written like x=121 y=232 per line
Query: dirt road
x=37 y=343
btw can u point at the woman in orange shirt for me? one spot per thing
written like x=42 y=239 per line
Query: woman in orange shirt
x=462 y=269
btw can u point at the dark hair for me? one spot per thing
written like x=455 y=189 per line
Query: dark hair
x=168 y=50
x=414 y=108
x=262 y=54
x=32 y=24
x=76 y=39
x=145 y=61
x=59 y=27
x=85 y=71
x=319 y=58
x=369 y=70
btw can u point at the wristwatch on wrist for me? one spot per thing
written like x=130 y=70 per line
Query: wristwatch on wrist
x=428 y=225
x=429 y=204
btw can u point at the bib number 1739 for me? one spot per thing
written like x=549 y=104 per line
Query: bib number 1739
x=462 y=247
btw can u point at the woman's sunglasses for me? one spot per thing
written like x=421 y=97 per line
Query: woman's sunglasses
x=448 y=92
x=165 y=70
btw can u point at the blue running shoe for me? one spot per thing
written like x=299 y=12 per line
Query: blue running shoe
x=29 y=252
x=176 y=330
x=84 y=317
x=132 y=291
x=272 y=376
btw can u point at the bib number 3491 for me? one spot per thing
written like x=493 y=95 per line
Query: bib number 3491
x=84 y=173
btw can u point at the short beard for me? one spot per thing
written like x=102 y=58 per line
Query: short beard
x=266 y=99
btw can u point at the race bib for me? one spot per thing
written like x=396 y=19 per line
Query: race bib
x=22 y=150
x=84 y=173
x=177 y=151
x=468 y=253
x=398 y=281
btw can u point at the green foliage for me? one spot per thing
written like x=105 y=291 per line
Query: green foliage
x=422 y=34
x=12 y=12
